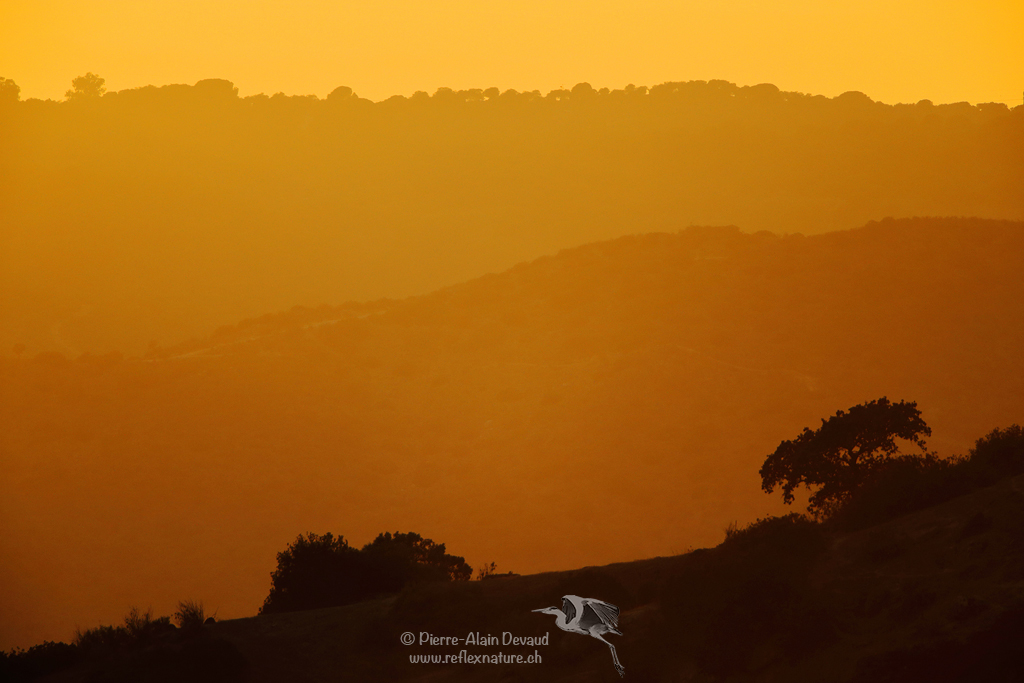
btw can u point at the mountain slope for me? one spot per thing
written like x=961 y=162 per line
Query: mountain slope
x=609 y=403
x=937 y=595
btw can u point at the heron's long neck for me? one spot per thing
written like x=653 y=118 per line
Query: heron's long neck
x=560 y=621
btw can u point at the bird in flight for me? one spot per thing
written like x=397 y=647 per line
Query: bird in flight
x=590 y=617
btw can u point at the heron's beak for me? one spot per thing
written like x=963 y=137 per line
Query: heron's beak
x=545 y=609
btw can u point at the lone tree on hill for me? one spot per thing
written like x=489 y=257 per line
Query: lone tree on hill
x=9 y=91
x=841 y=454
x=86 y=87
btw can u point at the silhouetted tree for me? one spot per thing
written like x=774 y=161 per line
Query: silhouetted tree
x=342 y=93
x=86 y=87
x=216 y=88
x=315 y=571
x=324 y=571
x=841 y=454
x=403 y=558
x=582 y=91
x=9 y=91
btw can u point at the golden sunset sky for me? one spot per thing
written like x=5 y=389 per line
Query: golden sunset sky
x=892 y=50
x=196 y=364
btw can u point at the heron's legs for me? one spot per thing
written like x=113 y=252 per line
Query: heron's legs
x=615 y=657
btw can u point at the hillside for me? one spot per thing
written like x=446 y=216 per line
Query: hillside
x=609 y=403
x=937 y=596
x=158 y=214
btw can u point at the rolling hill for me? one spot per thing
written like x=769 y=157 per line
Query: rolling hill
x=608 y=403
x=158 y=214
x=936 y=595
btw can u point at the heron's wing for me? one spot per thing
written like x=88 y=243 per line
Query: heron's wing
x=599 y=612
x=569 y=609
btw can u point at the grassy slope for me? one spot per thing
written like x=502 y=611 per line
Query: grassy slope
x=938 y=576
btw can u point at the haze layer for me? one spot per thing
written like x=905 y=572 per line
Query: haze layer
x=158 y=214
x=609 y=403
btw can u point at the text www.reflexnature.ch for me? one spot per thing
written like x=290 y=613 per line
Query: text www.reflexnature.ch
x=464 y=657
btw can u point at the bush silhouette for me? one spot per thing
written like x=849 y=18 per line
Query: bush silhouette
x=143 y=649
x=998 y=454
x=395 y=560
x=793 y=534
x=487 y=571
x=140 y=629
x=315 y=571
x=908 y=483
x=190 y=615
x=38 y=661
x=900 y=486
x=324 y=571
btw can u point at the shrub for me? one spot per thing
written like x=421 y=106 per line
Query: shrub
x=901 y=486
x=140 y=629
x=907 y=483
x=102 y=639
x=998 y=454
x=486 y=571
x=324 y=571
x=190 y=614
x=396 y=560
x=793 y=534
x=38 y=661
x=137 y=622
x=315 y=571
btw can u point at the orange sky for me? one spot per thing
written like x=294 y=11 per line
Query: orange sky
x=215 y=455
x=895 y=51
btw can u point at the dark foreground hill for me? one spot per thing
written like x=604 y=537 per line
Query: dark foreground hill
x=609 y=403
x=936 y=596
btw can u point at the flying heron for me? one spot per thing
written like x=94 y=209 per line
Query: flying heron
x=590 y=617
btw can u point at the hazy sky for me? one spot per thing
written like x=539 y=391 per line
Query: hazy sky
x=893 y=50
